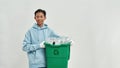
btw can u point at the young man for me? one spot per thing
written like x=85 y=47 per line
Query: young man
x=33 y=37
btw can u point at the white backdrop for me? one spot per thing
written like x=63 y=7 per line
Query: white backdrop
x=94 y=25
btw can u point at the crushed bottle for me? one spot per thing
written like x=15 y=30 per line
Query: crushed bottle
x=58 y=41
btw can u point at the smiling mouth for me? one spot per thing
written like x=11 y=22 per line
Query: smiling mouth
x=39 y=21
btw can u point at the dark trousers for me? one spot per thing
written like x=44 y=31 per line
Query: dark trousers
x=42 y=67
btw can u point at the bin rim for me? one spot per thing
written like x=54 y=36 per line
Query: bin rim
x=57 y=45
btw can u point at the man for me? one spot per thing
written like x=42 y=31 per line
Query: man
x=33 y=37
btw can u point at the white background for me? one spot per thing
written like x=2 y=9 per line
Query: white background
x=94 y=25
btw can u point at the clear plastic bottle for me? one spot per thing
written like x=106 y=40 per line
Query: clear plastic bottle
x=58 y=41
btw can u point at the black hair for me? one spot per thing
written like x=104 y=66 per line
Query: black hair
x=40 y=10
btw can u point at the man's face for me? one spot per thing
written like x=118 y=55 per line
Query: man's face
x=40 y=18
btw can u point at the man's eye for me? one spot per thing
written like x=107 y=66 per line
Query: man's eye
x=41 y=16
x=37 y=16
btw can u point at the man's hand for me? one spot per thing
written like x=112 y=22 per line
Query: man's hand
x=42 y=44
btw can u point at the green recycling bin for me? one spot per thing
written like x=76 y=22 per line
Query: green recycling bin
x=57 y=56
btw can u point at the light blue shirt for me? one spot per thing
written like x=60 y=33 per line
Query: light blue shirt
x=31 y=44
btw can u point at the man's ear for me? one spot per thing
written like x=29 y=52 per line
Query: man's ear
x=45 y=18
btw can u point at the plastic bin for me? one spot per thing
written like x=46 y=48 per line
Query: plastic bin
x=57 y=56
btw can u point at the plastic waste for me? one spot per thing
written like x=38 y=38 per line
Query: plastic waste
x=59 y=40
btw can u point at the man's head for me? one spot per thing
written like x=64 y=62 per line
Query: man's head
x=40 y=16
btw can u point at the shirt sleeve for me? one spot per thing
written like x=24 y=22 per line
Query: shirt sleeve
x=27 y=44
x=53 y=34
